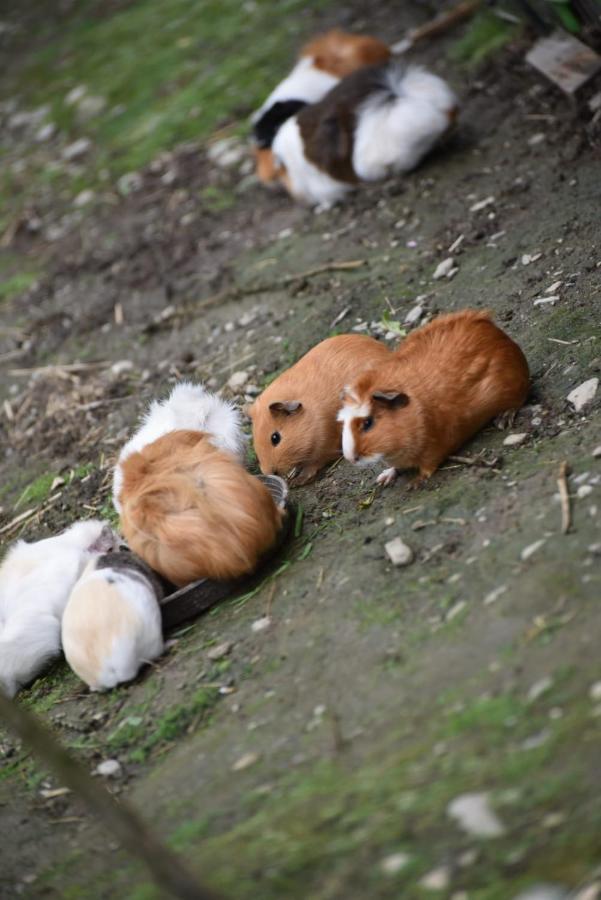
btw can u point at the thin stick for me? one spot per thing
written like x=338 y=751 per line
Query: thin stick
x=475 y=461
x=167 y=869
x=60 y=369
x=564 y=496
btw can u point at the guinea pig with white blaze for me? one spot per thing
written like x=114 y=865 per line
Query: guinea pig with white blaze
x=322 y=63
x=377 y=122
x=35 y=582
x=188 y=407
x=192 y=511
x=295 y=432
x=442 y=385
x=112 y=622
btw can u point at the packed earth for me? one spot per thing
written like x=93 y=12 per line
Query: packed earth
x=406 y=701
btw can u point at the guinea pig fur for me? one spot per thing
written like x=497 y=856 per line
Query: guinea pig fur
x=378 y=121
x=190 y=407
x=295 y=432
x=112 y=622
x=322 y=63
x=444 y=382
x=192 y=511
x=35 y=582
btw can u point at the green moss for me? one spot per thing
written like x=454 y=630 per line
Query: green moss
x=485 y=34
x=16 y=284
x=36 y=492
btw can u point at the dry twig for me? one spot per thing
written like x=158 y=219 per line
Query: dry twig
x=564 y=495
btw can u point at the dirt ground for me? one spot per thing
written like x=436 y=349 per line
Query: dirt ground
x=320 y=757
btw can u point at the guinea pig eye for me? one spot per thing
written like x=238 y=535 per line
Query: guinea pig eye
x=276 y=437
x=367 y=423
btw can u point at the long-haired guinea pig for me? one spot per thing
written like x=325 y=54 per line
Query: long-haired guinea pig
x=35 y=582
x=189 y=407
x=379 y=121
x=444 y=383
x=192 y=511
x=321 y=64
x=112 y=622
x=295 y=432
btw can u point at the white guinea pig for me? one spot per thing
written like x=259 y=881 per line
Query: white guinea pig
x=112 y=622
x=35 y=582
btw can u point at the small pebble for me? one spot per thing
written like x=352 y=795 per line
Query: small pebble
x=539 y=688
x=595 y=691
x=531 y=549
x=398 y=552
x=584 y=394
x=443 y=268
x=237 y=380
x=76 y=149
x=542 y=892
x=590 y=892
x=494 y=595
x=122 y=366
x=514 y=440
x=84 y=197
x=474 y=814
x=249 y=759
x=414 y=315
x=392 y=864
x=261 y=624
x=436 y=880
x=482 y=204
x=220 y=651
x=597 y=452
x=110 y=768
x=583 y=491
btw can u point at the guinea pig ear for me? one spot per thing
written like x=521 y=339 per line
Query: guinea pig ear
x=285 y=407
x=391 y=399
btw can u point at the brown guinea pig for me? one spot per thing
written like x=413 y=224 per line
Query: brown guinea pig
x=295 y=431
x=445 y=381
x=192 y=511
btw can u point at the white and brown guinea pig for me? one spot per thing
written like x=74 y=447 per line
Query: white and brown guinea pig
x=444 y=382
x=192 y=511
x=112 y=622
x=295 y=432
x=191 y=407
x=378 y=121
x=321 y=64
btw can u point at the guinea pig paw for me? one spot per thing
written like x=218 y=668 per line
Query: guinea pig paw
x=387 y=477
x=303 y=474
x=504 y=421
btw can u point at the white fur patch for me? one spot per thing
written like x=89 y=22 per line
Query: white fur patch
x=304 y=82
x=406 y=128
x=190 y=407
x=346 y=415
x=308 y=183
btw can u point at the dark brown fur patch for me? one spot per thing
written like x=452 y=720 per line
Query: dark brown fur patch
x=327 y=128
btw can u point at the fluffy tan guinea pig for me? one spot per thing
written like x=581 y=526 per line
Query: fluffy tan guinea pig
x=443 y=383
x=192 y=511
x=295 y=432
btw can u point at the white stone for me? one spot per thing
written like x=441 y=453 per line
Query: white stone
x=398 y=552
x=583 y=491
x=539 y=688
x=75 y=95
x=597 y=452
x=90 y=106
x=436 y=880
x=392 y=864
x=123 y=365
x=110 y=768
x=494 y=595
x=482 y=204
x=590 y=892
x=76 y=149
x=226 y=152
x=595 y=691
x=443 y=268
x=237 y=380
x=531 y=549
x=248 y=759
x=514 y=440
x=584 y=394
x=414 y=315
x=220 y=650
x=44 y=133
x=130 y=182
x=475 y=816
x=84 y=197
x=455 y=610
x=261 y=624
x=542 y=892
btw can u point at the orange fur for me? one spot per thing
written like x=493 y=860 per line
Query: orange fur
x=267 y=170
x=458 y=373
x=191 y=511
x=310 y=436
x=340 y=53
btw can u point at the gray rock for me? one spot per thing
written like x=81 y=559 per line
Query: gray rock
x=514 y=440
x=436 y=880
x=392 y=864
x=398 y=552
x=542 y=892
x=584 y=394
x=474 y=814
x=443 y=268
x=110 y=768
x=77 y=149
x=129 y=183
